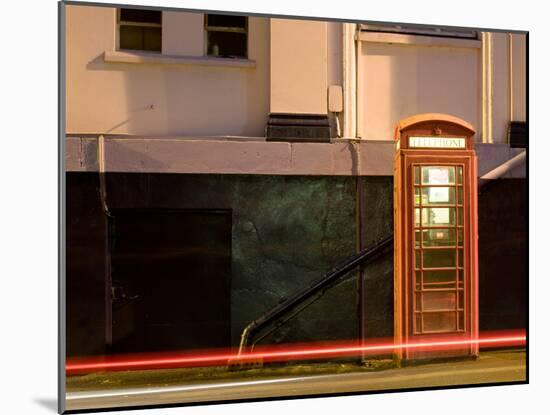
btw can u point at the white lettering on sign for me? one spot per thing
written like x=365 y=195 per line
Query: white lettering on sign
x=437 y=142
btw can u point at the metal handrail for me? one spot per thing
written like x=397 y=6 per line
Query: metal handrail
x=345 y=267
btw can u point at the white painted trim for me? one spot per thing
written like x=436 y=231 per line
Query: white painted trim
x=349 y=60
x=487 y=87
x=418 y=40
x=140 y=57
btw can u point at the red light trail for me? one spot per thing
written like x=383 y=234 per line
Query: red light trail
x=284 y=353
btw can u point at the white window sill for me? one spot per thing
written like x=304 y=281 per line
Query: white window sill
x=418 y=40
x=117 y=56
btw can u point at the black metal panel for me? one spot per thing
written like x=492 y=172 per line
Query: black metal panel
x=517 y=133
x=298 y=128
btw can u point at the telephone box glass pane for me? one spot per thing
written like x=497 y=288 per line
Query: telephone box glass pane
x=460 y=258
x=438 y=175
x=440 y=258
x=459 y=198
x=440 y=321
x=438 y=216
x=439 y=300
x=416 y=196
x=417 y=303
x=460 y=220
x=459 y=175
x=461 y=320
x=440 y=279
x=439 y=237
x=460 y=239
x=417 y=217
x=461 y=278
x=418 y=279
x=417 y=239
x=461 y=300
x=438 y=195
x=418 y=323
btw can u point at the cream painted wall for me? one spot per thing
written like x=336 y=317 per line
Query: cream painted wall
x=519 y=77
x=161 y=99
x=298 y=66
x=500 y=106
x=396 y=81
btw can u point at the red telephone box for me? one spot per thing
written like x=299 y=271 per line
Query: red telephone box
x=435 y=221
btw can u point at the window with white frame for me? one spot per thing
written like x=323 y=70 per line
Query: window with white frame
x=226 y=36
x=140 y=29
x=411 y=29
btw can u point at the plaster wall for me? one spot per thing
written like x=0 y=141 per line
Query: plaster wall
x=519 y=77
x=396 y=81
x=298 y=66
x=481 y=81
x=190 y=98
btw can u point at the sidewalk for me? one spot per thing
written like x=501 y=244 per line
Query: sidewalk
x=157 y=387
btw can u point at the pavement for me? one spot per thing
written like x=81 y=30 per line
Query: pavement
x=172 y=386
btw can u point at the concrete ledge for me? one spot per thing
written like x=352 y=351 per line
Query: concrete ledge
x=231 y=156
x=418 y=40
x=238 y=155
x=159 y=59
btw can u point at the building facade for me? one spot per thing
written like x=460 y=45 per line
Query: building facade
x=268 y=143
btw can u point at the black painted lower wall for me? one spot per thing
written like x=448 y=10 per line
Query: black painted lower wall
x=286 y=232
x=503 y=258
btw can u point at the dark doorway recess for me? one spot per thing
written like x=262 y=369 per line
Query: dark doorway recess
x=170 y=279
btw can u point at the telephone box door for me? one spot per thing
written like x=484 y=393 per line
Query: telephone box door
x=436 y=243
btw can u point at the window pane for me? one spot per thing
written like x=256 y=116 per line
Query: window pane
x=418 y=323
x=438 y=175
x=459 y=175
x=460 y=239
x=440 y=279
x=417 y=217
x=461 y=320
x=152 y=39
x=439 y=300
x=140 y=16
x=460 y=195
x=227 y=44
x=141 y=38
x=440 y=258
x=438 y=216
x=417 y=239
x=439 y=237
x=460 y=216
x=418 y=280
x=220 y=20
x=131 y=37
x=417 y=302
x=416 y=175
x=440 y=321
x=416 y=196
x=461 y=299
x=438 y=196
